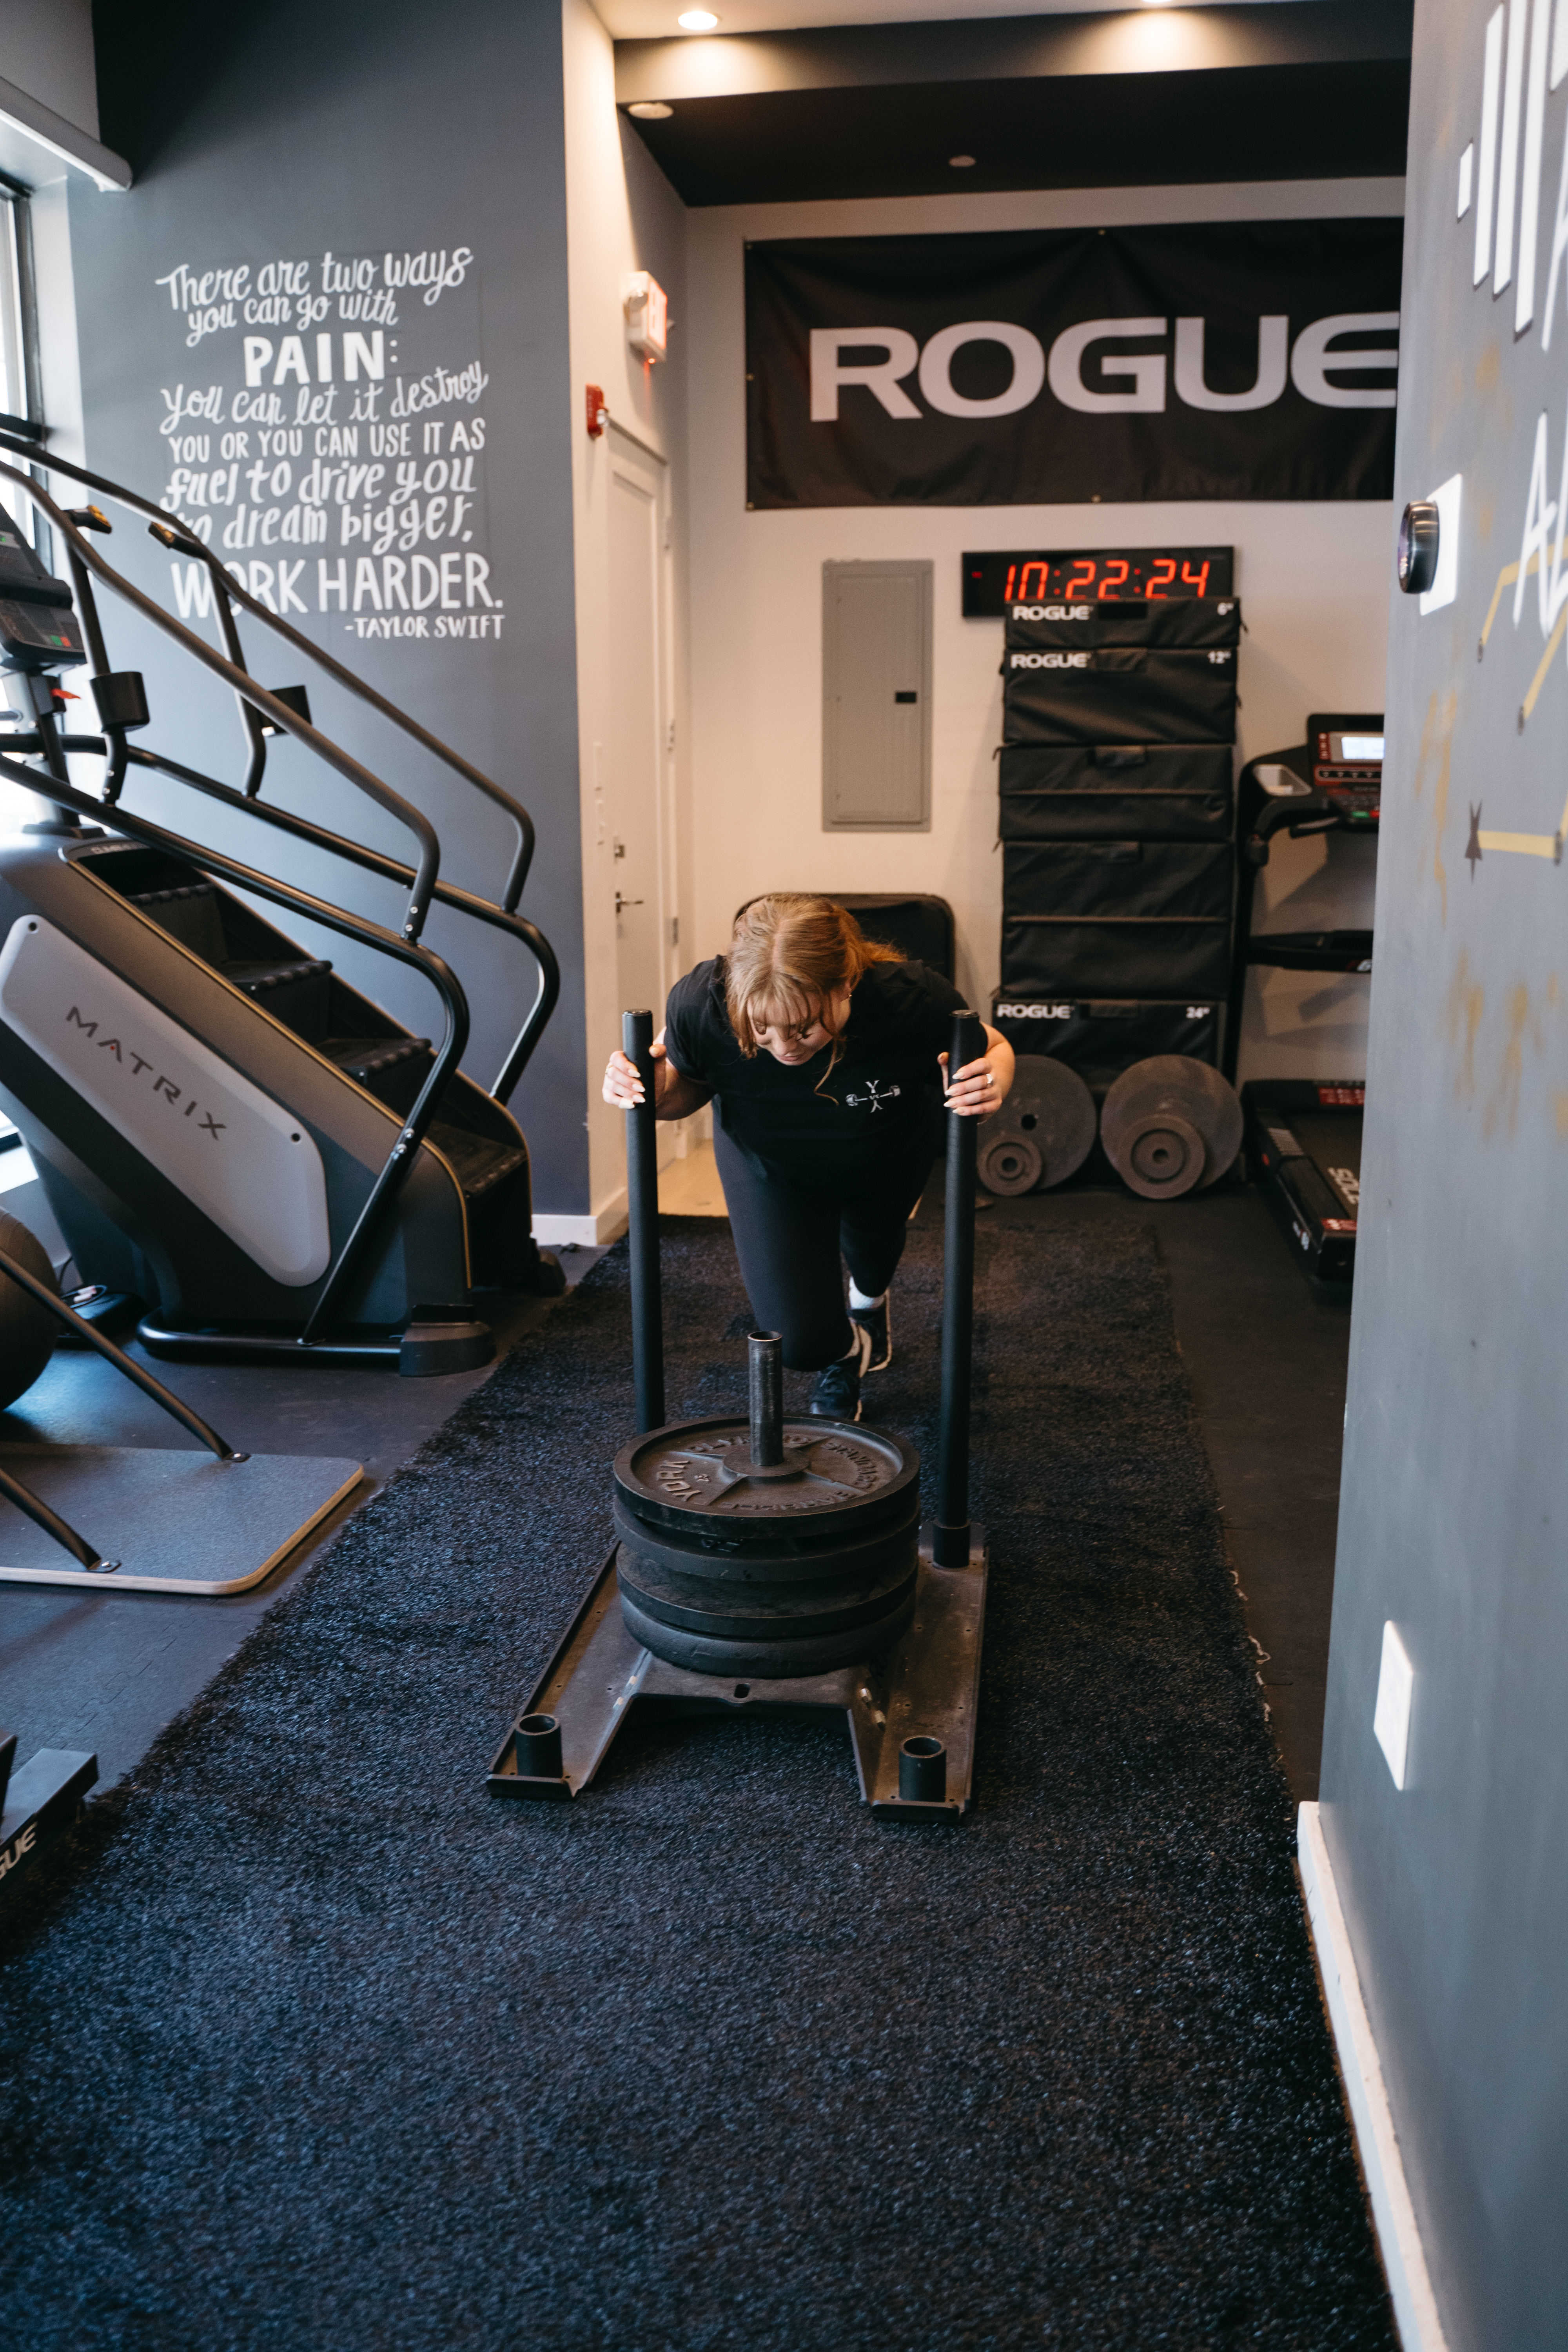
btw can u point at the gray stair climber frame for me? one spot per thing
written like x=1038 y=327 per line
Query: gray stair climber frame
x=131 y=946
x=421 y=880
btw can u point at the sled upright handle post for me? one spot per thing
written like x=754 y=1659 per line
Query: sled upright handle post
x=642 y=1215
x=950 y=1543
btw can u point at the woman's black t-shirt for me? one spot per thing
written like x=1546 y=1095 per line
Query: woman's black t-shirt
x=879 y=1108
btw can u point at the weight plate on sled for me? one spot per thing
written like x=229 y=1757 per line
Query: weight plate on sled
x=765 y=1659
x=1049 y=1109
x=772 y=1551
x=1170 y=1125
x=1010 y=1165
x=762 y=1613
x=696 y=1476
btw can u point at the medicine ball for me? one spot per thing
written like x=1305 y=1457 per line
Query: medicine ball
x=27 y=1329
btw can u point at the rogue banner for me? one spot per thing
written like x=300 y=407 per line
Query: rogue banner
x=1219 y=360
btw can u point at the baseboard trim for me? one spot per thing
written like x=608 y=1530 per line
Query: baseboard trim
x=605 y=1224
x=1377 y=2143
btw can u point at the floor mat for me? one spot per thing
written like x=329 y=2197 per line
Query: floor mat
x=308 y=2042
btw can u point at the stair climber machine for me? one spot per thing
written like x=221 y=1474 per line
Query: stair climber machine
x=224 y=1127
x=1303 y=1135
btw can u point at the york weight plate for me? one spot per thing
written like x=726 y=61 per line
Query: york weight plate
x=1170 y=1125
x=1049 y=1109
x=697 y=1478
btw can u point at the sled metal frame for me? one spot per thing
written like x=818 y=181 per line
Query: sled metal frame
x=927 y=1685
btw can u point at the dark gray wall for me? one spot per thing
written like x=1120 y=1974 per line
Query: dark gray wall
x=364 y=129
x=1455 y=1490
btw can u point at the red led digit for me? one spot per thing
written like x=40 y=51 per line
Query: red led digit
x=1165 y=571
x=1115 y=580
x=1198 y=582
x=1007 y=592
x=1024 y=596
x=1086 y=564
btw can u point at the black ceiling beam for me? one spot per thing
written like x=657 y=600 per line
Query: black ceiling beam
x=1006 y=48
x=1269 y=122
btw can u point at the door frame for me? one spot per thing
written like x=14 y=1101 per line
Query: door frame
x=646 y=470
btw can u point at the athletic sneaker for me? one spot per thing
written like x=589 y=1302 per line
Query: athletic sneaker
x=874 y=1320
x=836 y=1395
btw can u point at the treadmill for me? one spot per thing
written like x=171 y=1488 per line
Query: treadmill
x=1303 y=1137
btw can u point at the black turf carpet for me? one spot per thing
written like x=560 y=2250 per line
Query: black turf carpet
x=311 y=2042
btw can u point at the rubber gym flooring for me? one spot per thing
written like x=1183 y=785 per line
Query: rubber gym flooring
x=309 y=2042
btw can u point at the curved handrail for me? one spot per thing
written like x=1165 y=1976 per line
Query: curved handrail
x=374 y=861
x=281 y=714
x=196 y=550
x=454 y=1003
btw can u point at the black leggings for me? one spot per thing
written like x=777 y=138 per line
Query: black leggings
x=788 y=1238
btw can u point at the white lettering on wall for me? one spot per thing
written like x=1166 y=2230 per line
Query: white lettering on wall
x=830 y=369
x=1273 y=363
x=1147 y=369
x=1028 y=369
x=1311 y=358
x=304 y=437
x=1086 y=372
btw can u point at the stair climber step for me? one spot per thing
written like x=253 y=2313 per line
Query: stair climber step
x=295 y=990
x=478 y=1161
x=190 y=914
x=366 y=1059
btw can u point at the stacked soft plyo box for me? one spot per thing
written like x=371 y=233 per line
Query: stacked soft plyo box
x=1117 y=819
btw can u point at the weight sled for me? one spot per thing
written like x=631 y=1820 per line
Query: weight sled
x=778 y=1568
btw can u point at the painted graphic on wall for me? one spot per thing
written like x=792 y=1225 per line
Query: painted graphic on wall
x=1500 y=209
x=1219 y=360
x=322 y=423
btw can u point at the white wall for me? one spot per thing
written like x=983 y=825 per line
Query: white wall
x=1313 y=580
x=621 y=216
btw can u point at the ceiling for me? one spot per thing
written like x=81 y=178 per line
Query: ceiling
x=654 y=20
x=1260 y=90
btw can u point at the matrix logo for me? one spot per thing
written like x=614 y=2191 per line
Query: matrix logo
x=161 y=1086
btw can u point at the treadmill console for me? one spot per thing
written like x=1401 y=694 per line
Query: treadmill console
x=38 y=628
x=1345 y=750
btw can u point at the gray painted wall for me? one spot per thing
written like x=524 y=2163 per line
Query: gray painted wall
x=46 y=50
x=1455 y=1490
x=363 y=130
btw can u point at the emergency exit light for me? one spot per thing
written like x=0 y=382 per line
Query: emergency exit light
x=647 y=315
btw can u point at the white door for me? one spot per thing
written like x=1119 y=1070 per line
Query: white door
x=637 y=747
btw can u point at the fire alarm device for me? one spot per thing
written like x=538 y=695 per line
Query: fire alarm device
x=647 y=315
x=599 y=414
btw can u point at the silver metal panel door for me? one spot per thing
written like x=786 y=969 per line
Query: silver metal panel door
x=876 y=687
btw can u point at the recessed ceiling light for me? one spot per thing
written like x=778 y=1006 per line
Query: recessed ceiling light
x=651 y=110
x=962 y=162
x=698 y=20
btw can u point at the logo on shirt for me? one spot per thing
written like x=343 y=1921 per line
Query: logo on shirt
x=877 y=1098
